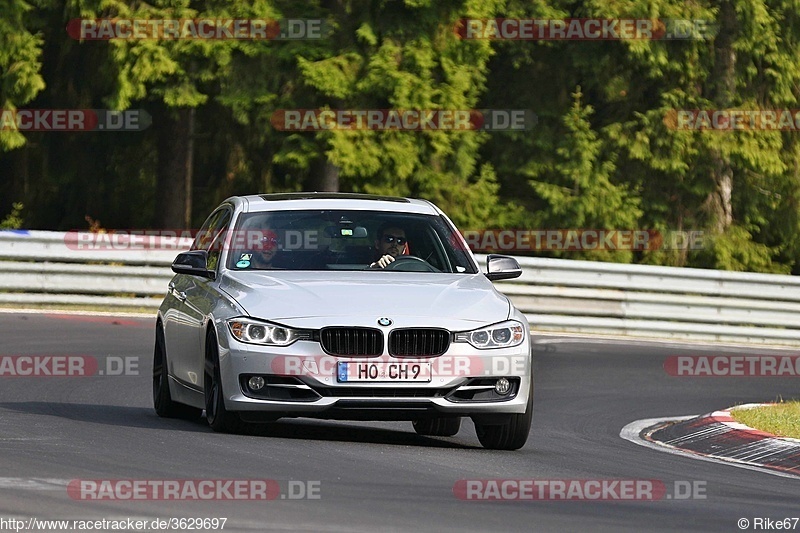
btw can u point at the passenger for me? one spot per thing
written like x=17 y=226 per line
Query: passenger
x=261 y=258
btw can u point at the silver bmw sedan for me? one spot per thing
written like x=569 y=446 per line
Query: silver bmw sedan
x=342 y=306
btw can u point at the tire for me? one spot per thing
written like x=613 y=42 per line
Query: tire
x=437 y=427
x=218 y=417
x=512 y=434
x=163 y=403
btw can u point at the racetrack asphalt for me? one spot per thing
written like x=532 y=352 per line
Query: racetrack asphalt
x=374 y=475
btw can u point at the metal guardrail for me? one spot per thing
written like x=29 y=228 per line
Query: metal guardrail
x=54 y=268
x=650 y=301
x=39 y=267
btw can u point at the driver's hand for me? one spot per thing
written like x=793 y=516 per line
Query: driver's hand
x=383 y=262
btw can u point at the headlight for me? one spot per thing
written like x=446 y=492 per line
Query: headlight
x=502 y=335
x=264 y=333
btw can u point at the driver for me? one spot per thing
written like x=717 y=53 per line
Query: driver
x=389 y=244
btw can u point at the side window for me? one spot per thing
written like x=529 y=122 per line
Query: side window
x=206 y=235
x=216 y=241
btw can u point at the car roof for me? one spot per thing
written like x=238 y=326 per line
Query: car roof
x=333 y=200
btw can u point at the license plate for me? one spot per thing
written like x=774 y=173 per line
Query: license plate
x=390 y=372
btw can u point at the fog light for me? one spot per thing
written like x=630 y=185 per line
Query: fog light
x=502 y=387
x=256 y=383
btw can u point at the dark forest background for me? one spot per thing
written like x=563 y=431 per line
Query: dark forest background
x=600 y=156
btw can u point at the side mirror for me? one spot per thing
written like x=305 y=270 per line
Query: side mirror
x=502 y=267
x=194 y=263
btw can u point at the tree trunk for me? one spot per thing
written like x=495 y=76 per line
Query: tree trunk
x=723 y=87
x=325 y=177
x=173 y=178
x=17 y=188
x=187 y=215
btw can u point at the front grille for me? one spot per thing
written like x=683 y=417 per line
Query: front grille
x=352 y=341
x=418 y=342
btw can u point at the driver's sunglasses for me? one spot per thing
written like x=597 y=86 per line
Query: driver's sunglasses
x=389 y=239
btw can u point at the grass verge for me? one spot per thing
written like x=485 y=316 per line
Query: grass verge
x=781 y=419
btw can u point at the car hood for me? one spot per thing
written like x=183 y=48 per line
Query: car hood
x=311 y=299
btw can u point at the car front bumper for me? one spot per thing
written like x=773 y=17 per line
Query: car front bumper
x=311 y=375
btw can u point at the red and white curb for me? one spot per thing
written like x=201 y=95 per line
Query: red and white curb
x=717 y=437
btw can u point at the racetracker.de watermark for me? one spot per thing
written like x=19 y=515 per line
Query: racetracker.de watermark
x=70 y=366
x=773 y=366
x=133 y=239
x=403 y=119
x=577 y=490
x=442 y=368
x=74 y=120
x=577 y=240
x=138 y=239
x=584 y=29
x=733 y=119
x=510 y=240
x=251 y=29
x=193 y=489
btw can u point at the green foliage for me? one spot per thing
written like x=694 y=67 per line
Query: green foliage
x=20 y=65
x=576 y=184
x=403 y=57
x=735 y=250
x=14 y=219
x=606 y=155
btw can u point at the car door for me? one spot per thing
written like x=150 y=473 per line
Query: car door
x=194 y=299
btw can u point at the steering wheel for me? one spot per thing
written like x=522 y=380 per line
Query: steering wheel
x=411 y=263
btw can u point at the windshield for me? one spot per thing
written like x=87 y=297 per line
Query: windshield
x=346 y=240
